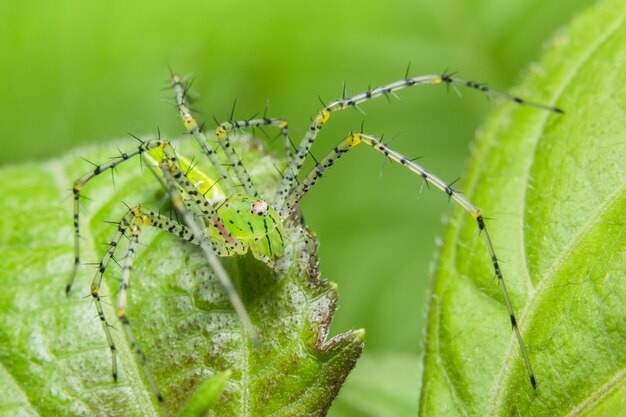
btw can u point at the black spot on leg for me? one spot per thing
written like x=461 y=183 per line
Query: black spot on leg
x=513 y=321
x=481 y=222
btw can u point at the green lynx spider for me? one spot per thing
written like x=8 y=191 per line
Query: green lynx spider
x=243 y=220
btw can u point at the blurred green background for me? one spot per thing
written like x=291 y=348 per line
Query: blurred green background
x=78 y=72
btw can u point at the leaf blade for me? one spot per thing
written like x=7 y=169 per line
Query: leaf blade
x=550 y=182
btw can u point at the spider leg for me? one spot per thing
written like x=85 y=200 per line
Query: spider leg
x=355 y=139
x=132 y=222
x=223 y=131
x=194 y=129
x=295 y=165
x=82 y=181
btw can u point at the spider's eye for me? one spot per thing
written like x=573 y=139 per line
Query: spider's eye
x=259 y=207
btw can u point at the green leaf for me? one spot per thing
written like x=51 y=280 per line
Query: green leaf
x=553 y=190
x=54 y=359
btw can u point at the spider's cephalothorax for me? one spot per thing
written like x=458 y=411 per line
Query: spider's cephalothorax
x=224 y=213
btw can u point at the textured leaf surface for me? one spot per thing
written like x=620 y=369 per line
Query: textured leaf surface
x=554 y=188
x=53 y=356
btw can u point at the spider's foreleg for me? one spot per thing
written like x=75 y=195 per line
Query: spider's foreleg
x=355 y=139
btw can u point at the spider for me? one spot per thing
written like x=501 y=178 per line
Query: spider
x=225 y=215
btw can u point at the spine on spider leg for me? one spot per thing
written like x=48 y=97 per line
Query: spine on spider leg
x=80 y=183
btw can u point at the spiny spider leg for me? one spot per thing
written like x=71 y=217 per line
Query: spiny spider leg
x=295 y=165
x=133 y=220
x=82 y=181
x=219 y=243
x=223 y=130
x=356 y=138
x=193 y=128
x=120 y=311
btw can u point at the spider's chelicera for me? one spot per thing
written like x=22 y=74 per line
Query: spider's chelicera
x=225 y=215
